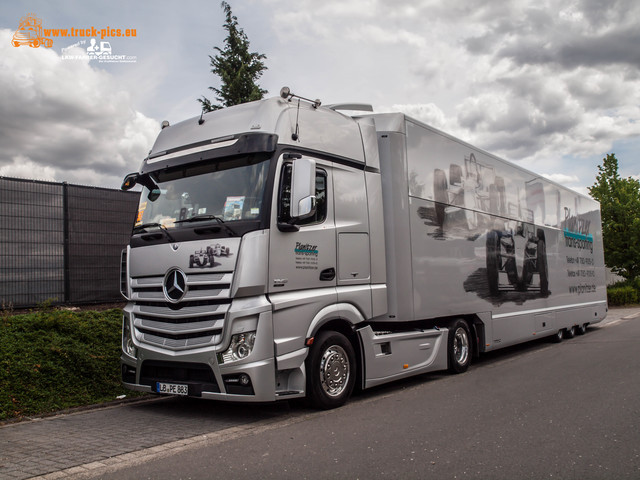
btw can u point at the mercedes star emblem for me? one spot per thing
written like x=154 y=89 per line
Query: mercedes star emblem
x=175 y=285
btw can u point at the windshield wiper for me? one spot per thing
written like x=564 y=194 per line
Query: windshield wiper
x=162 y=228
x=205 y=217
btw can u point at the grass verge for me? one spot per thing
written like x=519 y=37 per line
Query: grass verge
x=56 y=359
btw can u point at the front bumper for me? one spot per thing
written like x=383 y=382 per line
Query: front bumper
x=253 y=379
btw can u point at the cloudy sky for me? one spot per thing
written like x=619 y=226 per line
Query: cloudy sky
x=551 y=85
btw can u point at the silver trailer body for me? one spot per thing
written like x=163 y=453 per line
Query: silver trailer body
x=413 y=252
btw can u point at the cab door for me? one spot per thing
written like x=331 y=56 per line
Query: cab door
x=304 y=257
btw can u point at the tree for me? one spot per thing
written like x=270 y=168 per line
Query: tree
x=620 y=209
x=237 y=68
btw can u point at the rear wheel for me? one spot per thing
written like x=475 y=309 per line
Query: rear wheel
x=570 y=332
x=557 y=338
x=582 y=329
x=331 y=370
x=459 y=347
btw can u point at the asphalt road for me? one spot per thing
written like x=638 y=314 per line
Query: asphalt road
x=537 y=411
x=540 y=410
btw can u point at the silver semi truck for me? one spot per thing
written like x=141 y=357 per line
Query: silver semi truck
x=283 y=249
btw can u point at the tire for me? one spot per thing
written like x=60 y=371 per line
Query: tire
x=493 y=261
x=582 y=329
x=331 y=370
x=557 y=338
x=570 y=332
x=440 y=194
x=459 y=347
x=190 y=261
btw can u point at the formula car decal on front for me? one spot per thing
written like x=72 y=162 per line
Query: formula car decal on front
x=205 y=257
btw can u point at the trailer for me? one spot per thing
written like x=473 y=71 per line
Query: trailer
x=283 y=249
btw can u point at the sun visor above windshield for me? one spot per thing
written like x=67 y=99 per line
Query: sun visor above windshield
x=291 y=123
x=230 y=146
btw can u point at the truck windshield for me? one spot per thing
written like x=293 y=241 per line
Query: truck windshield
x=225 y=190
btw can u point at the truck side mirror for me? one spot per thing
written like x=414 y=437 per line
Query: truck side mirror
x=303 y=189
x=129 y=181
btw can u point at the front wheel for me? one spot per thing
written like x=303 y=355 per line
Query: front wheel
x=459 y=347
x=331 y=370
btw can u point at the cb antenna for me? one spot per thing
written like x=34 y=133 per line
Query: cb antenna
x=285 y=92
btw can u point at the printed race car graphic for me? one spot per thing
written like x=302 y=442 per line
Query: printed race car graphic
x=469 y=190
x=517 y=260
x=204 y=258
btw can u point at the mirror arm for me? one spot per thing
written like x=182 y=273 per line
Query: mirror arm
x=288 y=227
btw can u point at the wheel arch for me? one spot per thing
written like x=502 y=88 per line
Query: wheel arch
x=342 y=318
x=477 y=330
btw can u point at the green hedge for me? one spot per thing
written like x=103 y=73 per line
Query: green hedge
x=624 y=293
x=57 y=359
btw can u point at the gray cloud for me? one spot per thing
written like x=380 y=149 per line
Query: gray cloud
x=65 y=120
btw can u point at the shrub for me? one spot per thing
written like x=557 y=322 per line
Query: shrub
x=622 y=295
x=57 y=359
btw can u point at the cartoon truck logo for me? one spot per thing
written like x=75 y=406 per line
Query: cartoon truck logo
x=477 y=187
x=30 y=33
x=205 y=257
x=517 y=260
x=94 y=50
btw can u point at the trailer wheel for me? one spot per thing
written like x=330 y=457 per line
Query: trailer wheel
x=493 y=261
x=557 y=338
x=570 y=332
x=459 y=347
x=331 y=370
x=440 y=194
x=582 y=329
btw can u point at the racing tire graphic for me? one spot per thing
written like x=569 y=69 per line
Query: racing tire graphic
x=440 y=194
x=543 y=267
x=493 y=261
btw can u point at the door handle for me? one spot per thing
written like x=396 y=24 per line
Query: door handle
x=328 y=274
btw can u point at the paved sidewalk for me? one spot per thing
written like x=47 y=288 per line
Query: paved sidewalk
x=43 y=446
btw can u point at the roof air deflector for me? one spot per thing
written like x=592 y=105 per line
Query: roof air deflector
x=360 y=107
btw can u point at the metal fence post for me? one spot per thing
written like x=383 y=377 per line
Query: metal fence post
x=65 y=216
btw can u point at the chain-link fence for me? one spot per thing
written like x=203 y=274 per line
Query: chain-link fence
x=61 y=242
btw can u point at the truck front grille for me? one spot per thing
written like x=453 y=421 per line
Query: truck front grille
x=196 y=321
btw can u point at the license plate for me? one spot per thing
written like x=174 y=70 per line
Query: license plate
x=172 y=388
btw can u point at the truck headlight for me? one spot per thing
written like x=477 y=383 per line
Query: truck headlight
x=128 y=346
x=240 y=347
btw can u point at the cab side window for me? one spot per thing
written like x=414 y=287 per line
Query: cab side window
x=285 y=197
